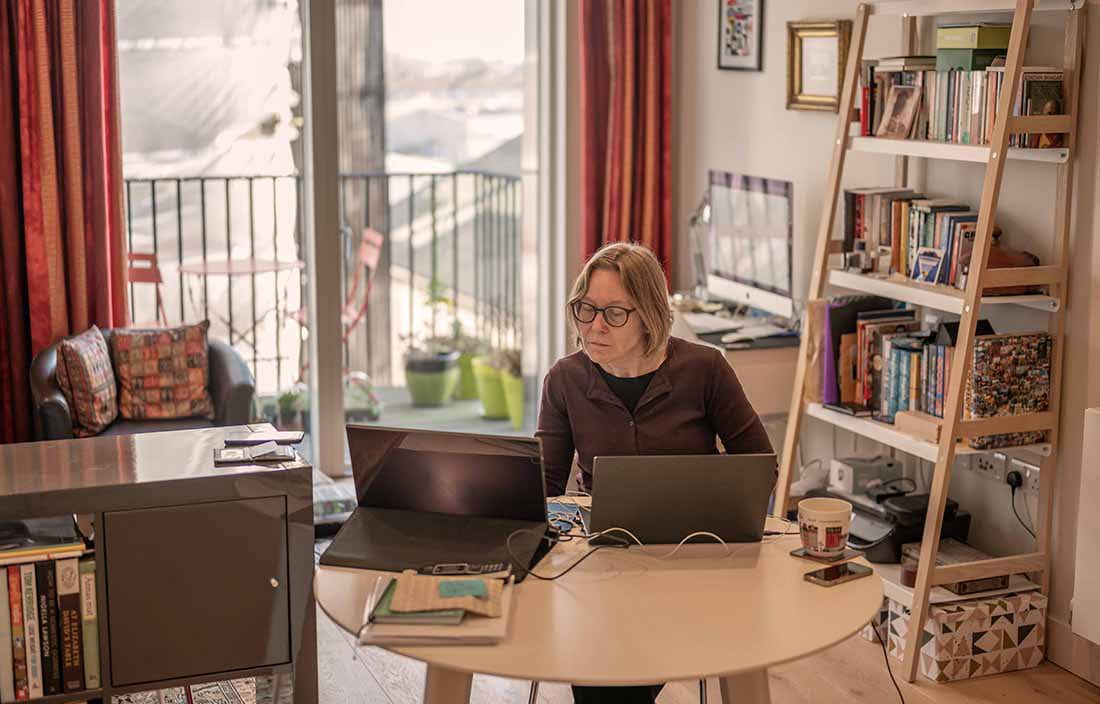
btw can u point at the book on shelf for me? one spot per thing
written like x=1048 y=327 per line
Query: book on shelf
x=7 y=674
x=18 y=634
x=69 y=625
x=46 y=579
x=1010 y=375
x=89 y=623
x=31 y=633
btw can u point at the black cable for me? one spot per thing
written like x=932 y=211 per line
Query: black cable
x=886 y=658
x=912 y=483
x=516 y=561
x=1026 y=527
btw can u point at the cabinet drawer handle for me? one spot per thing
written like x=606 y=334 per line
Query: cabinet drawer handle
x=274 y=583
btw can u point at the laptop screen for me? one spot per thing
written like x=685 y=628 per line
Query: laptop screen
x=452 y=473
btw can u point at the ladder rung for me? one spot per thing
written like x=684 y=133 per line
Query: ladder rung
x=1006 y=424
x=1058 y=124
x=1022 y=276
x=949 y=574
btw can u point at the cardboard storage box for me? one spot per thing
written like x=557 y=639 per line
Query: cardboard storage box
x=969 y=638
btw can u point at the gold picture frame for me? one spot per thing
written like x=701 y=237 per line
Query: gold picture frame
x=817 y=54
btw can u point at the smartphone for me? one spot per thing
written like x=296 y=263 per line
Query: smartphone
x=838 y=574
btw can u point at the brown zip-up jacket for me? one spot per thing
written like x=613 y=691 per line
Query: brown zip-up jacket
x=693 y=398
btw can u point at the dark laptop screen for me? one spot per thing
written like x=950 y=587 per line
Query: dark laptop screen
x=453 y=473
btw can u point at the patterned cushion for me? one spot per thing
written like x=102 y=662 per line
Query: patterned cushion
x=163 y=373
x=85 y=377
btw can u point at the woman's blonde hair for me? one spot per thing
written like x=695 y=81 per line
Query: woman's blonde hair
x=644 y=281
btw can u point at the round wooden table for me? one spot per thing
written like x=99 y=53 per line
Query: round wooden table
x=624 y=617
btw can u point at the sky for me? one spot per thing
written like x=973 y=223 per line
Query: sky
x=445 y=30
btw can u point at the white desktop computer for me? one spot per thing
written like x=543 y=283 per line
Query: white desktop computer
x=744 y=240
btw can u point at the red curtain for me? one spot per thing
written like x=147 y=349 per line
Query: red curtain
x=61 y=218
x=626 y=160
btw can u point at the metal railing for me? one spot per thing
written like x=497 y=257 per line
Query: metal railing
x=230 y=250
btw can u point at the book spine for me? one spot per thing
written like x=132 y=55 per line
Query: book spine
x=89 y=624
x=887 y=379
x=864 y=111
x=889 y=394
x=940 y=380
x=914 y=379
x=68 y=607
x=46 y=579
x=901 y=384
x=31 y=632
x=18 y=635
x=930 y=385
x=7 y=676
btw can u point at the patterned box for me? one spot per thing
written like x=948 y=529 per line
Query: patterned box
x=969 y=638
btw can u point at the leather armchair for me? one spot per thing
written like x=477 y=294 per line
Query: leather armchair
x=231 y=388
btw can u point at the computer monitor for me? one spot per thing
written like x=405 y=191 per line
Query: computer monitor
x=748 y=244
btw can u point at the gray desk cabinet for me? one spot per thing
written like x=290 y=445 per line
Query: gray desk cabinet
x=203 y=573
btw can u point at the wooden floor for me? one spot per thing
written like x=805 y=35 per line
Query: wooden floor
x=851 y=673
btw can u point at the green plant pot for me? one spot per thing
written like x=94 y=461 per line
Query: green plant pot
x=467 y=382
x=513 y=398
x=489 y=389
x=431 y=379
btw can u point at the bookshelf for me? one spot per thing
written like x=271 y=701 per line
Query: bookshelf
x=966 y=303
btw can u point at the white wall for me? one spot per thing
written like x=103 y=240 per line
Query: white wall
x=736 y=121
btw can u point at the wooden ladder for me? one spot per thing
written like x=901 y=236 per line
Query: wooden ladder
x=980 y=280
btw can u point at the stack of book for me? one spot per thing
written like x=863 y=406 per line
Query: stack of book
x=924 y=239
x=49 y=639
x=887 y=363
x=413 y=609
x=953 y=96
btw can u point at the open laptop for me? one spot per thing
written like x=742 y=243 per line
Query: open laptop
x=664 y=498
x=439 y=500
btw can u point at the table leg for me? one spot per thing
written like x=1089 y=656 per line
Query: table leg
x=443 y=686
x=746 y=688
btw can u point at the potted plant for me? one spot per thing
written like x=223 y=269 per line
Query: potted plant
x=431 y=360
x=489 y=388
x=290 y=407
x=468 y=348
x=511 y=382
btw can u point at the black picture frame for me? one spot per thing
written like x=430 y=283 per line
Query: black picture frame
x=756 y=63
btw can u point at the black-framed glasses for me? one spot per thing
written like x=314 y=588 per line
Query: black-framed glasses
x=615 y=316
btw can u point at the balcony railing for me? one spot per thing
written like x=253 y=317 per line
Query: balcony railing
x=230 y=250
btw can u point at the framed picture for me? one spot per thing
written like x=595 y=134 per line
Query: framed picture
x=740 y=34
x=817 y=53
x=900 y=112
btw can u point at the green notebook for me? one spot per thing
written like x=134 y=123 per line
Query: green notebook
x=383 y=614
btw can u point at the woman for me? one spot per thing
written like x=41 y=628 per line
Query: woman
x=632 y=389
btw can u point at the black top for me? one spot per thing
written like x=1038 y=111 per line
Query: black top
x=628 y=389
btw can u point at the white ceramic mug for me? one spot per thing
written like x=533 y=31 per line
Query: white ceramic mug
x=824 y=524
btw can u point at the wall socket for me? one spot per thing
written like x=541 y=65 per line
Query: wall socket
x=1029 y=471
x=992 y=465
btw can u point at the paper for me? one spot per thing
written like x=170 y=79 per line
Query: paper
x=754 y=332
x=452 y=589
x=421 y=593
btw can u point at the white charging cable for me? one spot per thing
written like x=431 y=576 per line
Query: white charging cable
x=618 y=529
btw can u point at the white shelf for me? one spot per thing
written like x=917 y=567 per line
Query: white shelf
x=938 y=296
x=894 y=589
x=922 y=8
x=946 y=150
x=888 y=435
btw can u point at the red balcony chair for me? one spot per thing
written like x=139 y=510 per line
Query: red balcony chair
x=143 y=269
x=354 y=309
